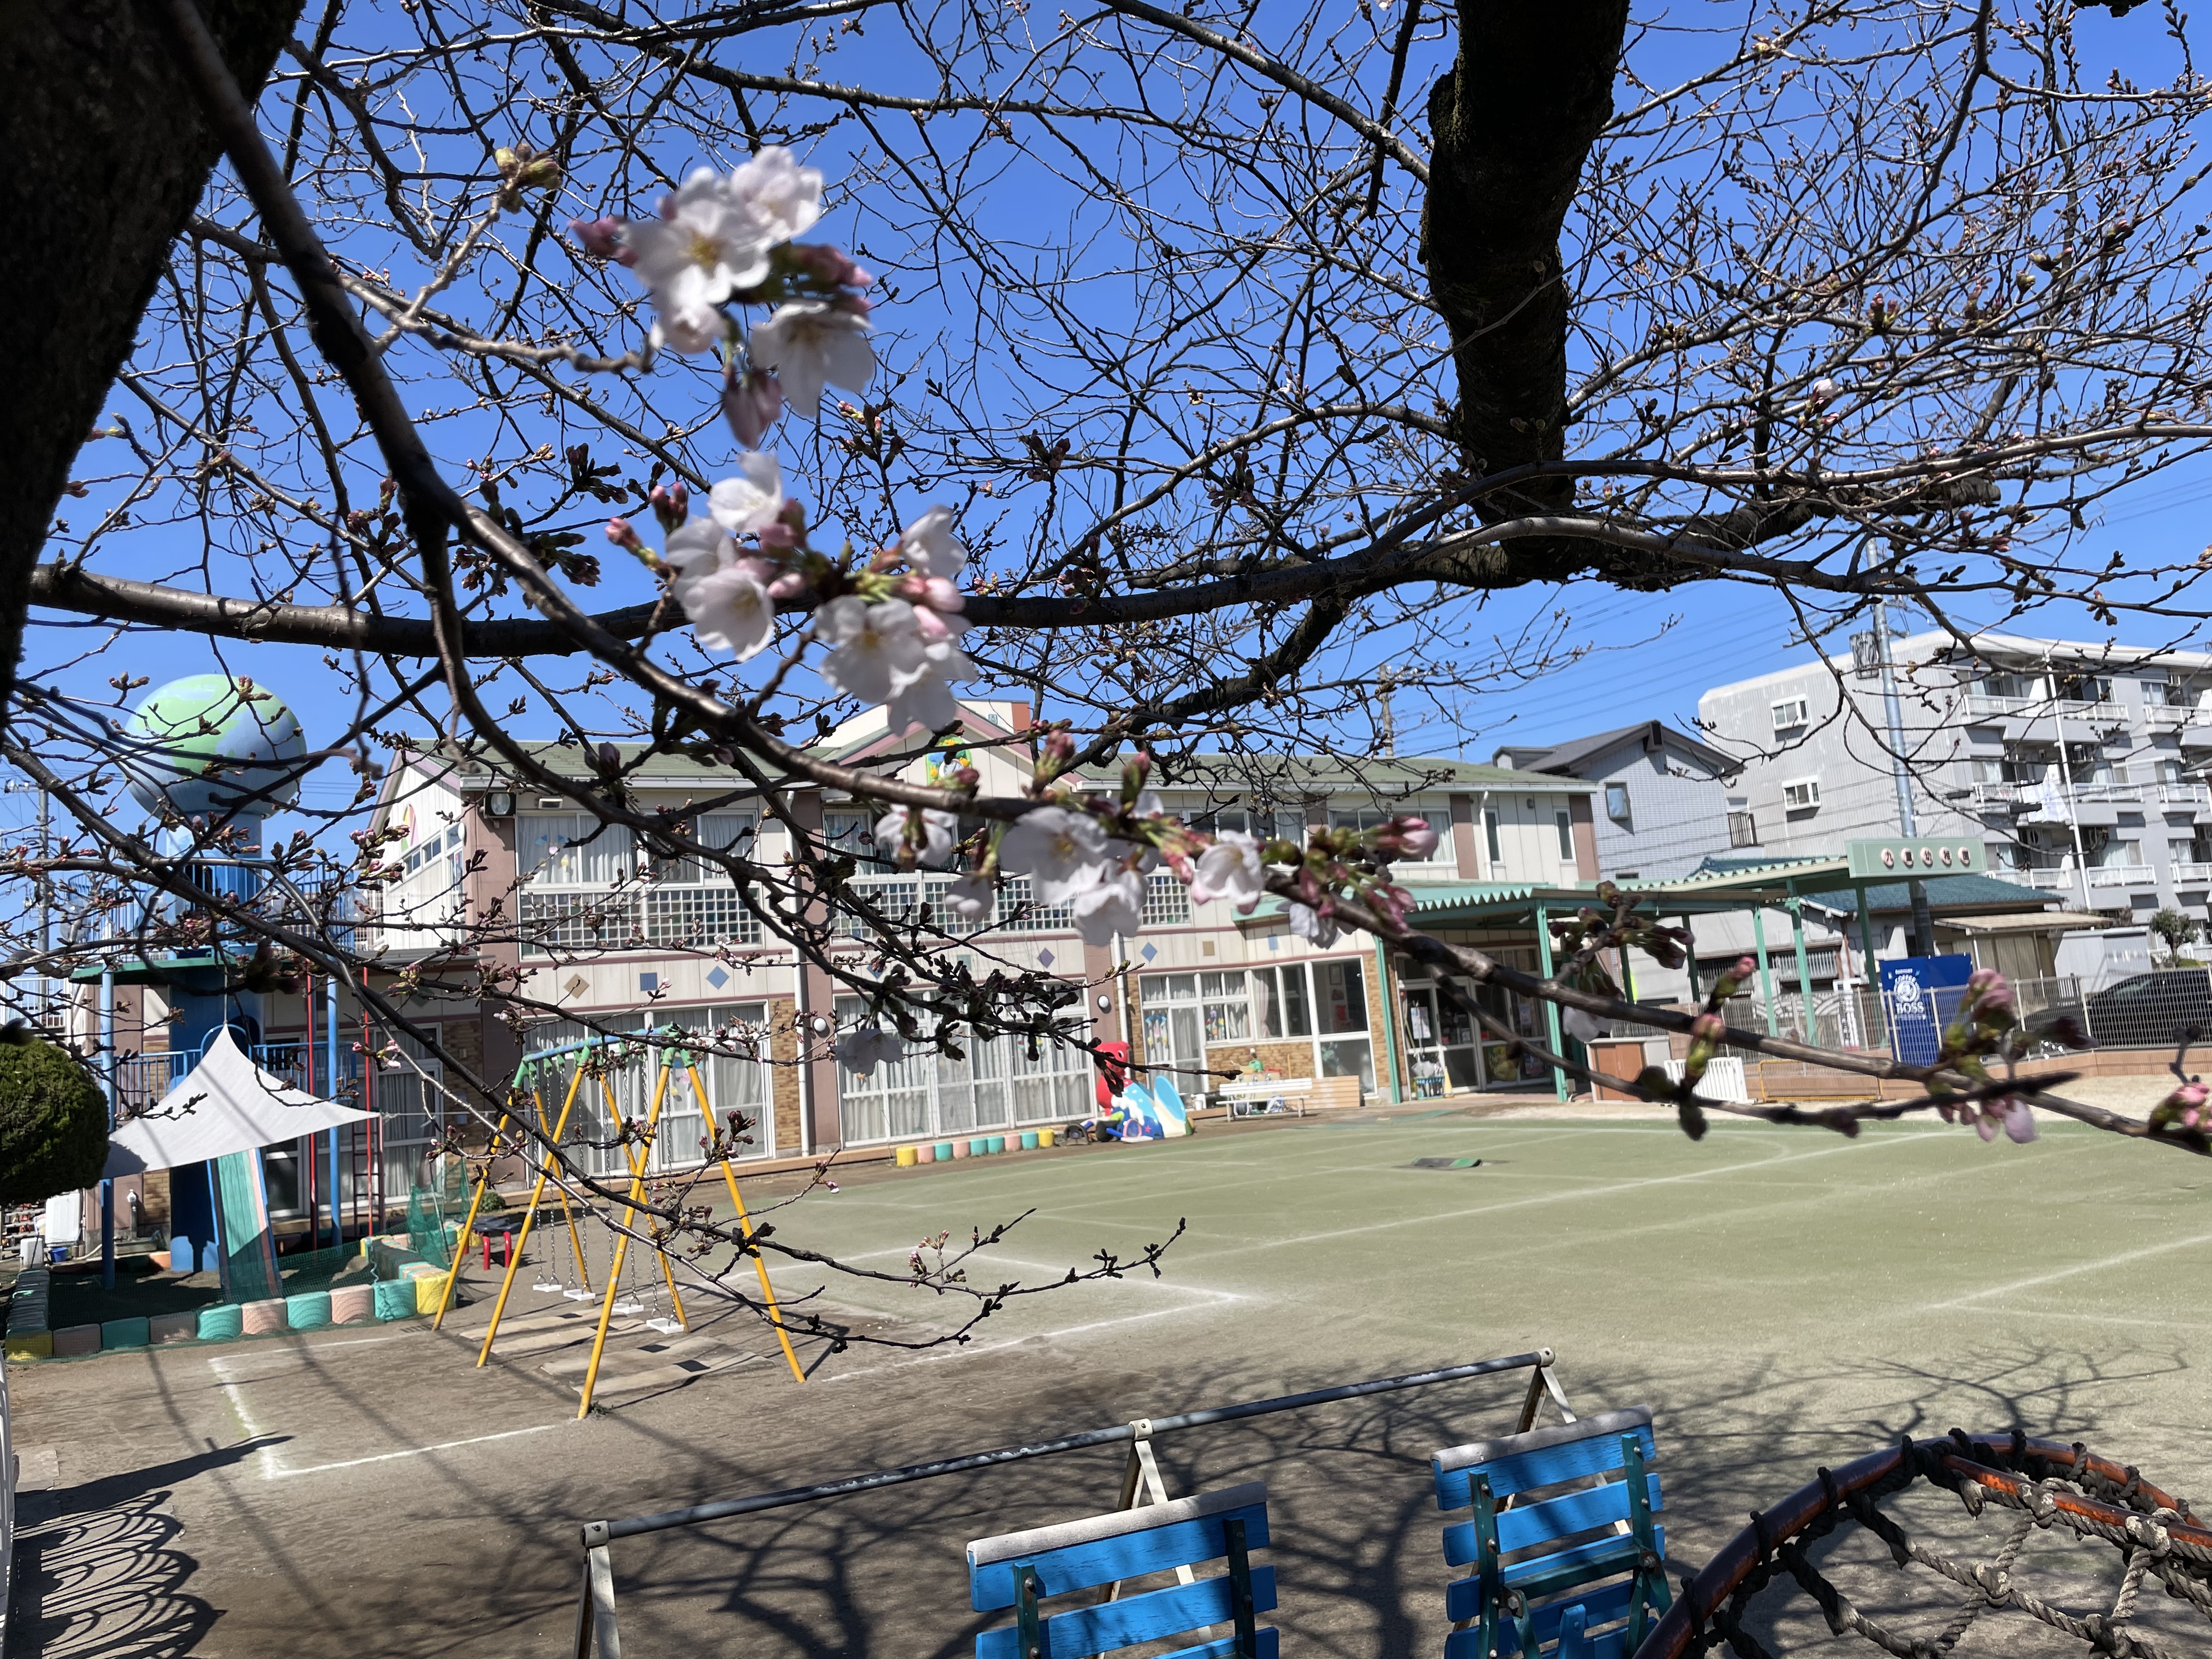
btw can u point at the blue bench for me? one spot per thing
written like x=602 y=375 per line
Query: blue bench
x=1022 y=1570
x=1567 y=1560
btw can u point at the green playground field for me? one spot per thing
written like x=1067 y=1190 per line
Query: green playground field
x=1782 y=1298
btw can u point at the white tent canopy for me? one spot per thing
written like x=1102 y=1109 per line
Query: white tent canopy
x=224 y=1104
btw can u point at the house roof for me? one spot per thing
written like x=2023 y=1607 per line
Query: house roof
x=1384 y=774
x=1651 y=734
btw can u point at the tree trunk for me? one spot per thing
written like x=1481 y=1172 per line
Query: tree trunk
x=1512 y=124
x=107 y=155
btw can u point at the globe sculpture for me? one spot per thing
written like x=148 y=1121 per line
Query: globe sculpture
x=209 y=746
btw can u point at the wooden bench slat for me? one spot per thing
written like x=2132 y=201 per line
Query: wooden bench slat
x=1545 y=1458
x=1089 y=1563
x=1145 y=1617
x=1555 y=1517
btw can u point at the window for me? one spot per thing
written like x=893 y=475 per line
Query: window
x=1743 y=831
x=1790 y=712
x=848 y=832
x=1000 y=1083
x=721 y=832
x=1376 y=818
x=2071 y=685
x=1340 y=994
x=2159 y=694
x=1228 y=1008
x=1616 y=802
x=1489 y=834
x=1800 y=794
x=1167 y=900
x=571 y=849
x=1564 y=823
x=1279 y=1004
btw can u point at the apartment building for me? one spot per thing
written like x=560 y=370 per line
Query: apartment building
x=602 y=935
x=2080 y=766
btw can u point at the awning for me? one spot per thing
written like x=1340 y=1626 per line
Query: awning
x=224 y=1104
x=2027 y=922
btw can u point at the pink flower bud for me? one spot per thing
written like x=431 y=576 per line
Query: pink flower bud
x=939 y=594
x=620 y=533
x=779 y=536
x=788 y=586
x=1708 y=1028
x=857 y=304
x=1061 y=747
x=1744 y=968
x=2191 y=1094
x=752 y=403
x=931 y=626
x=1417 y=835
x=600 y=238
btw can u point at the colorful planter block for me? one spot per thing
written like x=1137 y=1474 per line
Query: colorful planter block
x=262 y=1318
x=1047 y=1137
x=124 y=1333
x=980 y=1146
x=352 y=1305
x=429 y=1293
x=73 y=1341
x=964 y=1149
x=165 y=1329
x=29 y=1345
x=310 y=1310
x=995 y=1144
x=943 y=1150
x=224 y=1323
x=395 y=1298
x=906 y=1157
x=1029 y=1140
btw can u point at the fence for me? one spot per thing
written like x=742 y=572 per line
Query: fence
x=597 y=1632
x=2144 y=1011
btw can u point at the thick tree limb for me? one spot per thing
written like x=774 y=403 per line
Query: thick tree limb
x=107 y=155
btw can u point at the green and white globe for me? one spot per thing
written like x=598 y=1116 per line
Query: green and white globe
x=209 y=745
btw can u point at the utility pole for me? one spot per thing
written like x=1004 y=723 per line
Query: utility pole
x=1923 y=924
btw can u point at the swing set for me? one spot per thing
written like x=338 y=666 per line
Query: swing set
x=620 y=1297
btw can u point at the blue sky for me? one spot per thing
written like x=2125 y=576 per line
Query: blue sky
x=1645 y=656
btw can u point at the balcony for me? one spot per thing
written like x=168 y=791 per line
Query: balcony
x=2048 y=880
x=2159 y=718
x=2000 y=797
x=2183 y=794
x=2192 y=875
x=2123 y=875
x=2108 y=789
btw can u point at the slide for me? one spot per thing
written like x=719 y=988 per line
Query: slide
x=1174 y=1116
x=1143 y=1114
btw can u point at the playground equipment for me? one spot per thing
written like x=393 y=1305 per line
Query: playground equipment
x=2050 y=1493
x=593 y=1061
x=597 y=1635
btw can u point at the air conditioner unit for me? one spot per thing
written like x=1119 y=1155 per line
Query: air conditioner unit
x=1792 y=711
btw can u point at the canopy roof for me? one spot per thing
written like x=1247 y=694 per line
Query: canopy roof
x=224 y=1104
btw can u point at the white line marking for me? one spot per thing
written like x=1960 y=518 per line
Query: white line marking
x=2166 y=1248
x=973 y=1349
x=415 y=1451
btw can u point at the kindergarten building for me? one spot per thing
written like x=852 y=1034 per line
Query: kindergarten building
x=614 y=942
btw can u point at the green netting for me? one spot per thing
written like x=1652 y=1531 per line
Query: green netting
x=436 y=1211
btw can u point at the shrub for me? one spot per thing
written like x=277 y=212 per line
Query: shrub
x=53 y=1123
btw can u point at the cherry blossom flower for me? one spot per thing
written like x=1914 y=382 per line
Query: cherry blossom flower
x=928 y=545
x=753 y=502
x=1310 y=925
x=811 y=345
x=1064 y=850
x=698 y=545
x=2010 y=1112
x=1581 y=1024
x=781 y=198
x=877 y=651
x=1231 y=869
x=1113 y=903
x=863 y=1050
x=971 y=898
x=729 y=607
x=708 y=245
x=938 y=829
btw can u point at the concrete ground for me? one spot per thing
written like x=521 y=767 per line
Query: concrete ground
x=1781 y=1298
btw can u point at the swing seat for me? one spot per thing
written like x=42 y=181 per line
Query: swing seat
x=665 y=1327
x=545 y=1286
x=574 y=1295
x=629 y=1307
